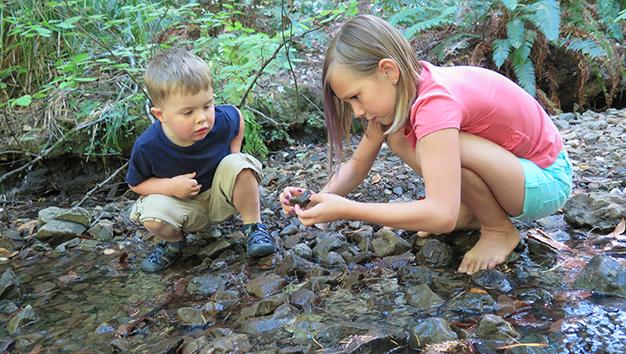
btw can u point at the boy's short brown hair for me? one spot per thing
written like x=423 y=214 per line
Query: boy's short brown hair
x=176 y=71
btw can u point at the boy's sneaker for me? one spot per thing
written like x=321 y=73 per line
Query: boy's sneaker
x=163 y=255
x=260 y=243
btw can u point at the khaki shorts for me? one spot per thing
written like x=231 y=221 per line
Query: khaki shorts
x=211 y=207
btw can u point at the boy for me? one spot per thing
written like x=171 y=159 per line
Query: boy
x=188 y=166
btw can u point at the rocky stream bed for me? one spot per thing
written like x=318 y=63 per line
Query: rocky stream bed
x=71 y=283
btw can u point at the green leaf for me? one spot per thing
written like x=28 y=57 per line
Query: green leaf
x=546 y=15
x=586 y=47
x=501 y=50
x=510 y=4
x=23 y=101
x=69 y=23
x=515 y=31
x=525 y=73
x=44 y=32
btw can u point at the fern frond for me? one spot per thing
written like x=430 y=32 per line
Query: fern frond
x=586 y=47
x=445 y=18
x=621 y=16
x=525 y=73
x=501 y=51
x=515 y=31
x=452 y=44
x=510 y=4
x=546 y=15
x=608 y=11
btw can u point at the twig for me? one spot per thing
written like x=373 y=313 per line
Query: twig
x=276 y=51
x=269 y=119
x=293 y=73
x=99 y=185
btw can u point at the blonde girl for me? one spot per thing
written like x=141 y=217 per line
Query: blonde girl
x=487 y=151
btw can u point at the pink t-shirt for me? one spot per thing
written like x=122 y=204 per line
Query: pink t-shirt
x=487 y=104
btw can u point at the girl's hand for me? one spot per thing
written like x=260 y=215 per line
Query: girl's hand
x=185 y=186
x=324 y=207
x=285 y=197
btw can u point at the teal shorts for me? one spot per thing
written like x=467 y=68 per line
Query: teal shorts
x=545 y=190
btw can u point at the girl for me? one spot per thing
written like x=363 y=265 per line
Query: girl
x=486 y=149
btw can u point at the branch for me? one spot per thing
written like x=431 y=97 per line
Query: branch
x=99 y=185
x=47 y=151
x=276 y=51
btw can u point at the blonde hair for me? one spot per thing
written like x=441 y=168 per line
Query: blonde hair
x=361 y=43
x=176 y=71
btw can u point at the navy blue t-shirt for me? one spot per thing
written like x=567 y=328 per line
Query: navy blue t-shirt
x=154 y=155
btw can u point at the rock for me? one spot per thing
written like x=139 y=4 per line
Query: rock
x=10 y=285
x=24 y=317
x=434 y=253
x=303 y=298
x=102 y=230
x=422 y=298
x=77 y=215
x=57 y=231
x=469 y=305
x=326 y=244
x=303 y=250
x=599 y=210
x=494 y=327
x=262 y=307
x=430 y=331
x=215 y=248
x=603 y=274
x=267 y=285
x=205 y=285
x=492 y=279
x=387 y=243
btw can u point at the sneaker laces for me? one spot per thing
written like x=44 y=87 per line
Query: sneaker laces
x=259 y=235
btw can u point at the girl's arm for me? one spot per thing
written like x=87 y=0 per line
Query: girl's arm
x=353 y=172
x=439 y=156
x=235 y=144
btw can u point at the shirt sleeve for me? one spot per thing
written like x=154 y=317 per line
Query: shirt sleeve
x=138 y=167
x=435 y=112
x=232 y=119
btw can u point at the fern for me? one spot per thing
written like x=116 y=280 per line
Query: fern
x=608 y=11
x=546 y=15
x=523 y=66
x=452 y=44
x=501 y=51
x=510 y=4
x=515 y=32
x=586 y=47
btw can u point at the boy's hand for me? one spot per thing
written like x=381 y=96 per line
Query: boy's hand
x=185 y=186
x=286 y=196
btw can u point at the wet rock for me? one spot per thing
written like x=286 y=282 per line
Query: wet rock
x=7 y=307
x=58 y=231
x=434 y=253
x=303 y=298
x=205 y=285
x=22 y=318
x=289 y=230
x=332 y=333
x=398 y=261
x=102 y=230
x=191 y=317
x=6 y=344
x=267 y=327
x=430 y=331
x=294 y=264
x=493 y=327
x=422 y=298
x=603 y=274
x=532 y=338
x=215 y=248
x=236 y=343
x=76 y=215
x=446 y=283
x=262 y=307
x=9 y=285
x=326 y=244
x=387 y=243
x=303 y=250
x=333 y=260
x=266 y=285
x=374 y=341
x=104 y=328
x=600 y=210
x=415 y=274
x=469 y=305
x=492 y=279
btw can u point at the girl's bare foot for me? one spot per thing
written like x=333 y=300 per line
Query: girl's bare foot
x=493 y=247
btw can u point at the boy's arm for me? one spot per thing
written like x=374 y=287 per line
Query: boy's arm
x=235 y=144
x=182 y=186
x=353 y=172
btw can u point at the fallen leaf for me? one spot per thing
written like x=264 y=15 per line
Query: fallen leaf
x=27 y=228
x=477 y=291
x=376 y=178
x=572 y=296
x=543 y=237
x=619 y=229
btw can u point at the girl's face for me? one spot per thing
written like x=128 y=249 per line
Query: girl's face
x=372 y=97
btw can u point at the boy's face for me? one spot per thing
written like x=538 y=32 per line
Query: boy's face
x=187 y=118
